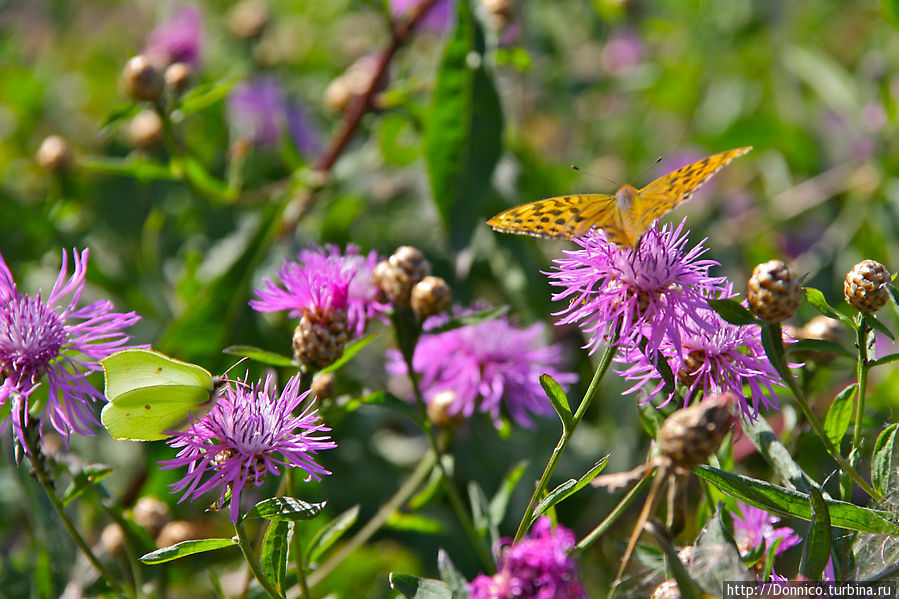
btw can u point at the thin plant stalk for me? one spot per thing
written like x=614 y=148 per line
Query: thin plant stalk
x=567 y=432
x=297 y=549
x=613 y=516
x=862 y=333
x=252 y=561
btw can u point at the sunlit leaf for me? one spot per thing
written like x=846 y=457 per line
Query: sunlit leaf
x=184 y=549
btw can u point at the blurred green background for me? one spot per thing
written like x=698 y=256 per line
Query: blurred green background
x=609 y=85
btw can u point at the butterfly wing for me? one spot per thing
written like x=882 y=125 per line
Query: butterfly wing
x=132 y=369
x=562 y=217
x=151 y=413
x=666 y=192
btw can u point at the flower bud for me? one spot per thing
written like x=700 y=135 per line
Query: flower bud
x=773 y=291
x=354 y=82
x=690 y=435
x=864 y=286
x=151 y=514
x=430 y=296
x=320 y=339
x=54 y=154
x=143 y=81
x=145 y=130
x=247 y=19
x=177 y=531
x=397 y=275
x=323 y=386
x=439 y=410
x=112 y=539
x=177 y=77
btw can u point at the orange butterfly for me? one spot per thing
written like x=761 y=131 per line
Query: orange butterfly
x=623 y=216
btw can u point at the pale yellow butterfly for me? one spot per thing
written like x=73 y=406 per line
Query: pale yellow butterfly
x=623 y=216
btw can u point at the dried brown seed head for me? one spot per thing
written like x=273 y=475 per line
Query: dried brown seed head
x=864 y=286
x=773 y=291
x=690 y=435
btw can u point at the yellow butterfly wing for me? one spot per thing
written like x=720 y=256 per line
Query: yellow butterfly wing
x=666 y=192
x=562 y=217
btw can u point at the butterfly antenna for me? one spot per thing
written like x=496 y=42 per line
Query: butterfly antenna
x=580 y=170
x=650 y=167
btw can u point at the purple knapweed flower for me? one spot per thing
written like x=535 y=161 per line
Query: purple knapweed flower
x=651 y=291
x=178 y=39
x=486 y=366
x=537 y=567
x=52 y=337
x=438 y=19
x=322 y=280
x=251 y=431
x=260 y=112
x=754 y=526
x=713 y=358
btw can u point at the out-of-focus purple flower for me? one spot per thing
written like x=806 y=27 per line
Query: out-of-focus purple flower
x=439 y=18
x=753 y=526
x=178 y=39
x=537 y=567
x=56 y=339
x=259 y=111
x=321 y=280
x=713 y=358
x=622 y=51
x=250 y=432
x=651 y=291
x=486 y=365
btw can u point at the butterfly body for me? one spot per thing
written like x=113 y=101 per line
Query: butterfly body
x=624 y=216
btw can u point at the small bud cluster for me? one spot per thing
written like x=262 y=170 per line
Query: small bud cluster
x=54 y=154
x=773 y=291
x=397 y=275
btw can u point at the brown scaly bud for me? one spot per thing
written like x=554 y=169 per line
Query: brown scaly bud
x=54 y=154
x=177 y=77
x=247 y=19
x=667 y=590
x=112 y=539
x=143 y=81
x=439 y=410
x=688 y=372
x=773 y=291
x=177 y=531
x=397 y=275
x=864 y=286
x=323 y=387
x=319 y=339
x=151 y=514
x=430 y=296
x=690 y=435
x=145 y=130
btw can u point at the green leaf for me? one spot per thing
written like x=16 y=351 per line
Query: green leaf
x=81 y=480
x=431 y=490
x=451 y=576
x=817 y=543
x=569 y=488
x=391 y=402
x=875 y=324
x=141 y=169
x=185 y=548
x=882 y=460
x=888 y=359
x=891 y=11
x=816 y=299
x=465 y=320
x=891 y=289
x=557 y=398
x=285 y=508
x=772 y=341
x=463 y=138
x=413 y=587
x=500 y=501
x=206 y=95
x=775 y=453
x=257 y=354
x=414 y=523
x=733 y=312
x=840 y=414
x=275 y=551
x=787 y=502
x=352 y=348
x=651 y=418
x=120 y=112
x=330 y=533
x=480 y=509
x=818 y=345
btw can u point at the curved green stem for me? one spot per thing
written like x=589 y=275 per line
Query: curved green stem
x=862 y=333
x=613 y=516
x=253 y=561
x=567 y=432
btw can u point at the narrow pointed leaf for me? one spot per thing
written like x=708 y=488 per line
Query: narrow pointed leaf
x=569 y=488
x=330 y=533
x=81 y=480
x=733 y=312
x=415 y=523
x=817 y=543
x=839 y=415
x=257 y=354
x=775 y=453
x=285 y=508
x=817 y=300
x=480 y=509
x=891 y=289
x=352 y=348
x=882 y=460
x=557 y=398
x=818 y=345
x=500 y=501
x=275 y=549
x=457 y=584
x=877 y=325
x=888 y=359
x=173 y=552
x=413 y=587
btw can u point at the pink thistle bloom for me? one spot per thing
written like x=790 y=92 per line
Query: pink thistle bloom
x=486 y=366
x=713 y=358
x=178 y=39
x=754 y=526
x=250 y=432
x=56 y=339
x=652 y=291
x=439 y=18
x=537 y=567
x=322 y=280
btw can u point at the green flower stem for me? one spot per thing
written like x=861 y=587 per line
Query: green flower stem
x=297 y=548
x=253 y=561
x=862 y=333
x=413 y=483
x=43 y=478
x=567 y=432
x=780 y=364
x=613 y=516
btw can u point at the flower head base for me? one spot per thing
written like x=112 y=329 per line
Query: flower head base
x=537 y=567
x=321 y=281
x=650 y=291
x=56 y=339
x=487 y=365
x=178 y=39
x=250 y=432
x=713 y=358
